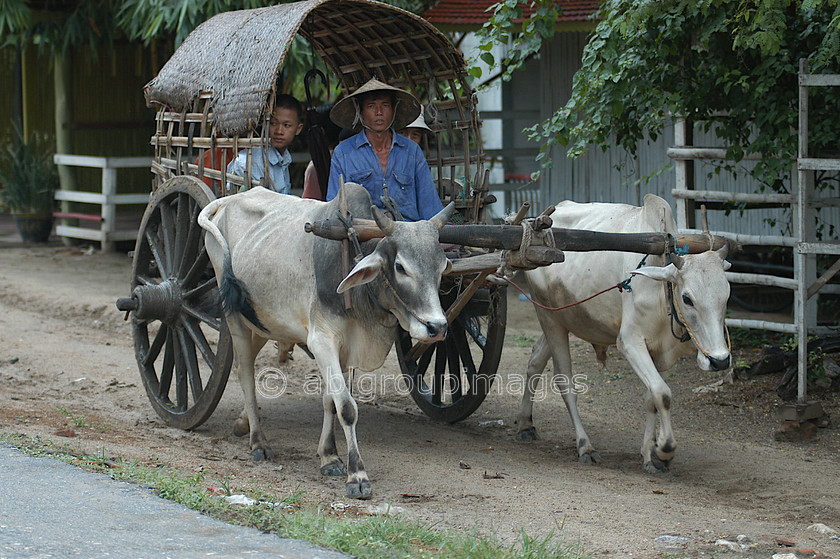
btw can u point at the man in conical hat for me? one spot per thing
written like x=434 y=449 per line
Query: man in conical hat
x=391 y=167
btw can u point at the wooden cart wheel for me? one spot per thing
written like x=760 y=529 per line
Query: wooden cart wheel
x=181 y=341
x=451 y=378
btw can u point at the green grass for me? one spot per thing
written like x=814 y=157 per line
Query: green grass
x=523 y=340
x=353 y=532
x=79 y=421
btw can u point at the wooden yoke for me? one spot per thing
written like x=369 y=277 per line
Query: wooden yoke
x=509 y=237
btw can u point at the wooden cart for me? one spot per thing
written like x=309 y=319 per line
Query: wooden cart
x=214 y=96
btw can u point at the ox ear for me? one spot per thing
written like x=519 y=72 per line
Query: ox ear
x=664 y=273
x=364 y=272
x=440 y=218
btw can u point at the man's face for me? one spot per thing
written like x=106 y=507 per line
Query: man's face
x=283 y=127
x=377 y=111
x=414 y=134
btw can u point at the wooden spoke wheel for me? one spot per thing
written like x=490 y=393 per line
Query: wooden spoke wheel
x=181 y=341
x=450 y=379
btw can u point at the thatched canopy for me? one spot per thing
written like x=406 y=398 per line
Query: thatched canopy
x=238 y=55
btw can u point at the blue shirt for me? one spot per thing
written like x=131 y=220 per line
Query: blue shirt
x=278 y=168
x=407 y=175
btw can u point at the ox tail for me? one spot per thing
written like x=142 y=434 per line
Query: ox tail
x=233 y=296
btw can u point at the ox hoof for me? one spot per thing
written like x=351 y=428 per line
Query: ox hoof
x=359 y=489
x=527 y=435
x=657 y=466
x=262 y=453
x=334 y=469
x=591 y=457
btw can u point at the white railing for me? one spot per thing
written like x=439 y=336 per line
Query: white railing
x=108 y=199
x=802 y=201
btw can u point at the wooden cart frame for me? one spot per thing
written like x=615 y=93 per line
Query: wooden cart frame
x=214 y=97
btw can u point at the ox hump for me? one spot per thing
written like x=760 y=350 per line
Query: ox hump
x=657 y=213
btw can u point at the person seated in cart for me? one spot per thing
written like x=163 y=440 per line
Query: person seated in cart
x=378 y=158
x=332 y=135
x=285 y=124
x=416 y=129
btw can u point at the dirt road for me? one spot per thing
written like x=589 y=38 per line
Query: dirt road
x=67 y=362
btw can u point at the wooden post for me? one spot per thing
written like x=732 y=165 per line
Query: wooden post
x=345 y=243
x=109 y=208
x=800 y=258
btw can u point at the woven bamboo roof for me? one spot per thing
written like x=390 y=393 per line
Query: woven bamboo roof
x=238 y=55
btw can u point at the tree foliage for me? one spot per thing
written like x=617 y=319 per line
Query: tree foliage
x=647 y=61
x=86 y=23
x=149 y=19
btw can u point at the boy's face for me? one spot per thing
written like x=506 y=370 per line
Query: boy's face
x=415 y=134
x=283 y=127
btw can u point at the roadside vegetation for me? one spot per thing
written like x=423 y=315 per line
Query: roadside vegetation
x=347 y=528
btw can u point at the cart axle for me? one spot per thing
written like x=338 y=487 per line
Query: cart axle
x=160 y=301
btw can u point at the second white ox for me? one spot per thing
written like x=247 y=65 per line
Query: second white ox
x=639 y=321
x=280 y=283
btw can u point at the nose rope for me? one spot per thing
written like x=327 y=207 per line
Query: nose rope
x=684 y=324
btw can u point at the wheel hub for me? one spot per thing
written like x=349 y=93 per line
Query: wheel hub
x=161 y=301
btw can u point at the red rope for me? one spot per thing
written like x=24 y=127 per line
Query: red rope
x=618 y=286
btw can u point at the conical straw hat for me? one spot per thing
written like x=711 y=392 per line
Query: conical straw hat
x=419 y=122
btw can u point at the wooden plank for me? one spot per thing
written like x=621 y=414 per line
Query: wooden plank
x=741 y=239
x=101 y=162
x=719 y=196
x=761 y=279
x=97 y=198
x=690 y=153
x=539 y=256
x=762 y=325
x=824 y=279
x=818 y=248
x=79 y=233
x=79 y=196
x=819 y=79
x=76 y=215
x=815 y=164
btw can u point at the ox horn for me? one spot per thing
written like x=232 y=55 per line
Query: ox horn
x=705 y=221
x=440 y=218
x=723 y=251
x=385 y=223
x=673 y=258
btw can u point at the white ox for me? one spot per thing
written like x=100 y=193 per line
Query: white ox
x=637 y=321
x=278 y=282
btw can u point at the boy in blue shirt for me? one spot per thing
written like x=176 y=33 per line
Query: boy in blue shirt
x=377 y=157
x=285 y=124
